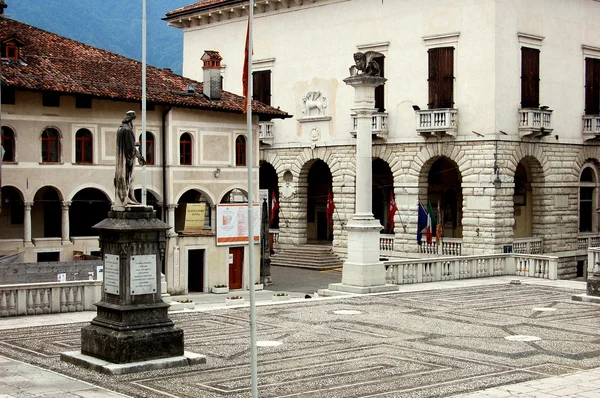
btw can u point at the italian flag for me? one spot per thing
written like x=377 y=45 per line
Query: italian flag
x=431 y=221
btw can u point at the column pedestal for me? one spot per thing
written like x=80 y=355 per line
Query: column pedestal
x=132 y=331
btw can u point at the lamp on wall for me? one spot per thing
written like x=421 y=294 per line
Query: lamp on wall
x=217 y=172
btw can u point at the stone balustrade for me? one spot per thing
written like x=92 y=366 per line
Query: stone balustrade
x=379 y=125
x=47 y=298
x=591 y=127
x=265 y=133
x=585 y=241
x=531 y=245
x=447 y=247
x=535 y=122
x=437 y=121
x=454 y=268
x=386 y=244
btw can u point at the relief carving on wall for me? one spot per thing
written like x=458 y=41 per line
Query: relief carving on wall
x=314 y=104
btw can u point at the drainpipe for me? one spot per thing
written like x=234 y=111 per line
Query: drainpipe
x=164 y=163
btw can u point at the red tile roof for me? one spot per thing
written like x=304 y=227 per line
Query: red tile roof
x=205 y=4
x=55 y=63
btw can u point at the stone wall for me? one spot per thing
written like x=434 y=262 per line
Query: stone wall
x=47 y=272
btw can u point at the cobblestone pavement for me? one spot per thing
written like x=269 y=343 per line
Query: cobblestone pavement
x=433 y=340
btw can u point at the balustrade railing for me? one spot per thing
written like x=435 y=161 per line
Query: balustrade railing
x=437 y=121
x=454 y=268
x=46 y=298
x=588 y=240
x=535 y=121
x=386 y=244
x=591 y=127
x=447 y=247
x=531 y=245
x=379 y=125
x=265 y=132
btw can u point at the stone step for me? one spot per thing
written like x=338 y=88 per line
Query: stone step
x=307 y=256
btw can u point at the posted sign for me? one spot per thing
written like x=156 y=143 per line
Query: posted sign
x=232 y=224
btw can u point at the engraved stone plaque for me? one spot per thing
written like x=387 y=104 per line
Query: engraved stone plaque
x=111 y=273
x=143 y=274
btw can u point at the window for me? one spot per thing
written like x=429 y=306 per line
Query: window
x=240 y=151
x=11 y=51
x=83 y=101
x=149 y=148
x=8 y=143
x=441 y=77
x=530 y=77
x=8 y=95
x=84 y=144
x=587 y=201
x=592 y=86
x=50 y=146
x=185 y=149
x=379 y=90
x=51 y=99
x=261 y=86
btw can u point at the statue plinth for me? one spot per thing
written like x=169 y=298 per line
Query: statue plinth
x=132 y=323
x=593 y=282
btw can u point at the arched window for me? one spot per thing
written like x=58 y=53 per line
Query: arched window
x=149 y=148
x=84 y=145
x=50 y=146
x=8 y=143
x=185 y=149
x=588 y=218
x=240 y=151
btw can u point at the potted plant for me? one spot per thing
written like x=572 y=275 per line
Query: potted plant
x=188 y=304
x=280 y=296
x=258 y=286
x=234 y=300
x=220 y=289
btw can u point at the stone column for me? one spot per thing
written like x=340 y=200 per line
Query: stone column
x=65 y=222
x=362 y=271
x=171 y=220
x=27 y=224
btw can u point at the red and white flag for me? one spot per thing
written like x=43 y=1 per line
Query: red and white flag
x=330 y=206
x=429 y=231
x=274 y=207
x=392 y=211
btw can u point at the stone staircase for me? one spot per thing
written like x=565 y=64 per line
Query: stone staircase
x=319 y=257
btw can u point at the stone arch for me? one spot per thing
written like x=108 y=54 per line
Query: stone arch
x=13 y=212
x=274 y=160
x=528 y=177
x=89 y=206
x=228 y=191
x=530 y=151
x=211 y=199
x=46 y=213
x=193 y=195
x=90 y=185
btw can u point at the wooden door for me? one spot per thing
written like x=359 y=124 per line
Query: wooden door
x=236 y=267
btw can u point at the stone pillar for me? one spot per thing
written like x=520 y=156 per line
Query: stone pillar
x=65 y=222
x=171 y=219
x=362 y=271
x=27 y=224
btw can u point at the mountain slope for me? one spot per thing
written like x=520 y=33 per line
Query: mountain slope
x=114 y=25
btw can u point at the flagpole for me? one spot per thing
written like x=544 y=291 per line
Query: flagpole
x=250 y=164
x=144 y=101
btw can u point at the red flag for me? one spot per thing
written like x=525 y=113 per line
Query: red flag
x=245 y=71
x=438 y=228
x=330 y=206
x=428 y=231
x=274 y=207
x=392 y=211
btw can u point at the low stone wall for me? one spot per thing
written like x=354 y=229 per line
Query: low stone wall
x=48 y=272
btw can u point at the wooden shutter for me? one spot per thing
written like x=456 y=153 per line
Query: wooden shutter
x=592 y=86
x=379 y=91
x=530 y=77
x=441 y=77
x=261 y=86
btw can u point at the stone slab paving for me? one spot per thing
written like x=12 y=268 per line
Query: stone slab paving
x=421 y=343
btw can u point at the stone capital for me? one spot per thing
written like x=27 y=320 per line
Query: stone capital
x=28 y=205
x=66 y=204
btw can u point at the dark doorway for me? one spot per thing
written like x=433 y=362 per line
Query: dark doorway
x=236 y=267
x=196 y=270
x=88 y=208
x=319 y=187
x=47 y=257
x=383 y=187
x=52 y=214
x=268 y=179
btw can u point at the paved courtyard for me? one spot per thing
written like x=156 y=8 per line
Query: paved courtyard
x=426 y=343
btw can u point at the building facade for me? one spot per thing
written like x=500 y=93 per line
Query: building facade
x=62 y=103
x=490 y=113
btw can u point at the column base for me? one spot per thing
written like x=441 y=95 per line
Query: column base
x=340 y=287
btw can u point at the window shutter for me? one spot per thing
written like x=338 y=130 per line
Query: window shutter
x=379 y=90
x=261 y=86
x=446 y=81
x=432 y=77
x=530 y=77
x=592 y=86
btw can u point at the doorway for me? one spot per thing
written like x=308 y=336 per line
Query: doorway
x=236 y=264
x=196 y=270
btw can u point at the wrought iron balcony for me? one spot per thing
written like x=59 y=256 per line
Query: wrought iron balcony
x=591 y=127
x=441 y=122
x=265 y=133
x=535 y=122
x=379 y=125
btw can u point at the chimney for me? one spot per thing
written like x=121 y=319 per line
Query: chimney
x=2 y=7
x=212 y=74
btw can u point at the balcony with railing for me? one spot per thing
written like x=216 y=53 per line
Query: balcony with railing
x=265 y=133
x=530 y=245
x=588 y=240
x=379 y=125
x=440 y=122
x=535 y=122
x=447 y=247
x=591 y=127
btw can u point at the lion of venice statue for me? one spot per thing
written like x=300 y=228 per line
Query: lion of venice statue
x=364 y=63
